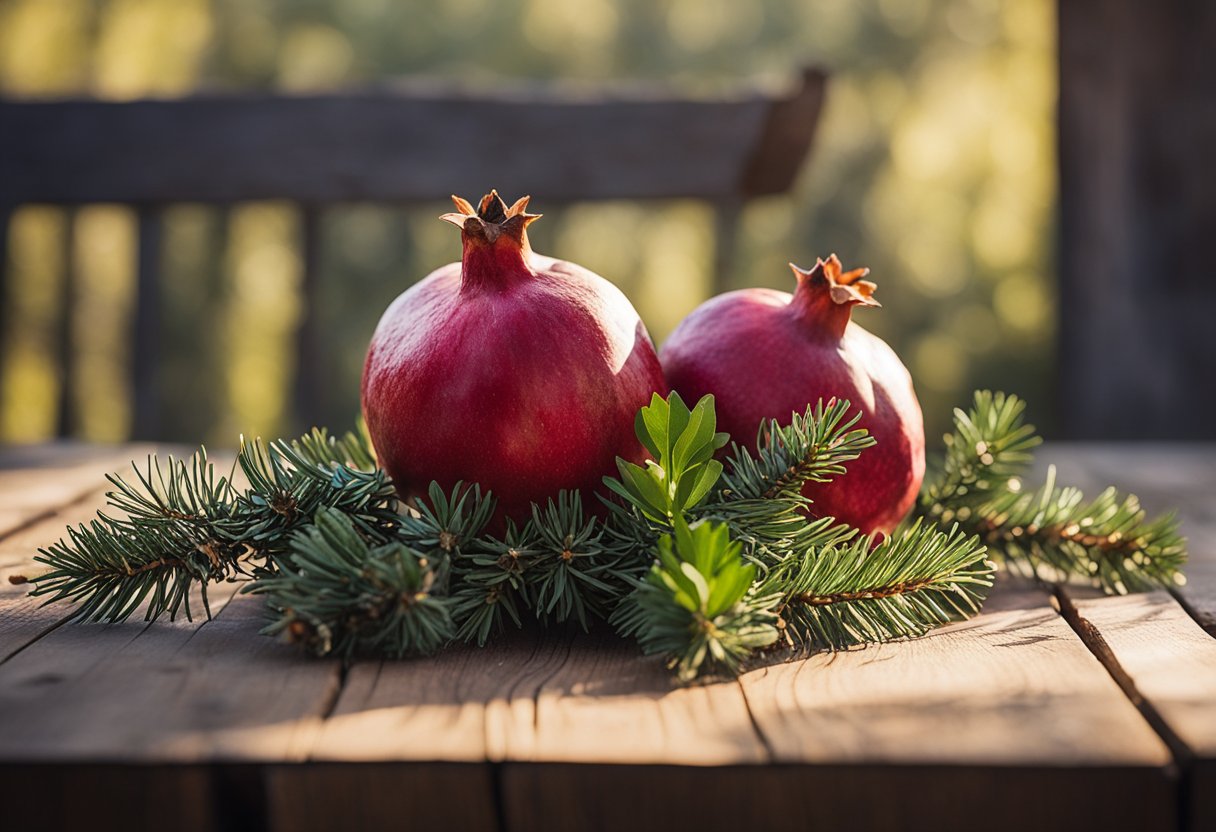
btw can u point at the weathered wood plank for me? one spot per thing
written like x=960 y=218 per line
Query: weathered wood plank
x=328 y=796
x=65 y=411
x=546 y=696
x=37 y=480
x=1171 y=662
x=1137 y=119
x=109 y=798
x=1012 y=687
x=175 y=692
x=829 y=798
x=405 y=144
x=1165 y=476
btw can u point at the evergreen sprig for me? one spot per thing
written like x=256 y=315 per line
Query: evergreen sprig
x=813 y=447
x=1052 y=533
x=704 y=560
x=869 y=590
x=173 y=528
x=562 y=564
x=178 y=526
x=714 y=594
x=338 y=593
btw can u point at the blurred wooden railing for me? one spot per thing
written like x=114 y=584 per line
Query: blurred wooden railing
x=404 y=145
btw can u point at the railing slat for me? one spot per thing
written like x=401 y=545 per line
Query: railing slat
x=66 y=422
x=308 y=387
x=147 y=343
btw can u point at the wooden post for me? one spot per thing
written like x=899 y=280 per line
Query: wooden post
x=6 y=216
x=147 y=342
x=1138 y=216
x=65 y=419
x=308 y=389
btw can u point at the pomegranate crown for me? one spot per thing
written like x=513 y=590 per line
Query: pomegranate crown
x=492 y=218
x=844 y=288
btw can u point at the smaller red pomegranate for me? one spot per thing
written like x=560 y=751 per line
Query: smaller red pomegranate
x=508 y=369
x=766 y=354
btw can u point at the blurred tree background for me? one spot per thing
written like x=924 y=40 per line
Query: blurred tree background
x=934 y=165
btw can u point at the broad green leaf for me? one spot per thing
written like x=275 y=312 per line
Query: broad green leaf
x=707 y=475
x=694 y=444
x=639 y=428
x=729 y=588
x=698 y=580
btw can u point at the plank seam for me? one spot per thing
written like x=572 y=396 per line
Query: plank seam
x=1092 y=638
x=46 y=631
x=770 y=756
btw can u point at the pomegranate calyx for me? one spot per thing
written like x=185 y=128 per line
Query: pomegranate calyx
x=846 y=288
x=492 y=218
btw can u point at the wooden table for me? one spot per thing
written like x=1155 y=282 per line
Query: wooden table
x=1074 y=712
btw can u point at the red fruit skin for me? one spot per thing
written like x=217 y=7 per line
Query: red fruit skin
x=764 y=356
x=523 y=380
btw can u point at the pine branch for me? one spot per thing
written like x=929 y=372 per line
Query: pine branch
x=988 y=452
x=861 y=592
x=173 y=533
x=489 y=586
x=812 y=448
x=561 y=565
x=290 y=481
x=1052 y=533
x=340 y=593
x=177 y=526
x=576 y=571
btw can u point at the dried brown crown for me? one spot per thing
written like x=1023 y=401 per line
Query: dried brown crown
x=842 y=287
x=492 y=218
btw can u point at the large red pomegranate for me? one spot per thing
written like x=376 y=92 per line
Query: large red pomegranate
x=766 y=354
x=509 y=369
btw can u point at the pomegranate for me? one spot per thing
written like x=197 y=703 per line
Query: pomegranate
x=509 y=369
x=766 y=354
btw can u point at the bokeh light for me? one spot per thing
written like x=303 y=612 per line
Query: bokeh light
x=934 y=166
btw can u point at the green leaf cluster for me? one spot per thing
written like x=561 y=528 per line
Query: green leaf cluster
x=682 y=470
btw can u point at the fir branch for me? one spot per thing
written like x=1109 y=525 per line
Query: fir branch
x=1055 y=535
x=291 y=481
x=812 y=448
x=861 y=592
x=489 y=586
x=1052 y=533
x=173 y=533
x=988 y=451
x=576 y=570
x=340 y=593
x=561 y=565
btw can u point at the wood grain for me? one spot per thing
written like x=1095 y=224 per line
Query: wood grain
x=829 y=798
x=1013 y=687
x=36 y=480
x=1171 y=663
x=1166 y=477
x=568 y=730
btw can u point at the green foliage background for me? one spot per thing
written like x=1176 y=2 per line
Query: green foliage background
x=934 y=166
